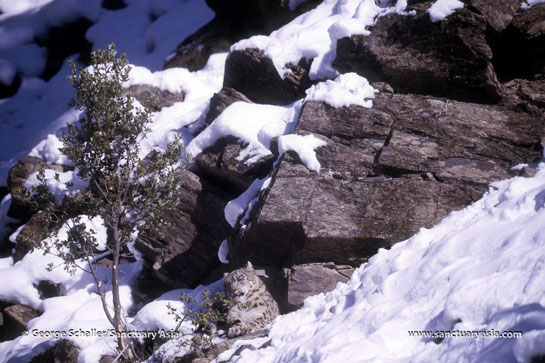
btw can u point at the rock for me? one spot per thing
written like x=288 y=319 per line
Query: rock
x=34 y=231
x=48 y=289
x=311 y=279
x=16 y=318
x=21 y=207
x=526 y=93
x=221 y=100
x=450 y=58
x=498 y=14
x=188 y=251
x=385 y=173
x=154 y=98
x=519 y=51
x=235 y=20
x=211 y=353
x=62 y=41
x=220 y=163
x=63 y=351
x=194 y=51
x=251 y=73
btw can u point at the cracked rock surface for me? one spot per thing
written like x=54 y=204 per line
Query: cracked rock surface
x=385 y=173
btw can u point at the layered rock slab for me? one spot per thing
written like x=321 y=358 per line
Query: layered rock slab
x=385 y=173
x=188 y=250
x=449 y=58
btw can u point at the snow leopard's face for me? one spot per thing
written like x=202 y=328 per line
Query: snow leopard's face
x=241 y=283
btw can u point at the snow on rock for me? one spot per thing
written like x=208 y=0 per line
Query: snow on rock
x=480 y=269
x=443 y=8
x=313 y=35
x=251 y=123
x=304 y=146
x=527 y=4
x=198 y=87
x=223 y=252
x=235 y=208
x=346 y=90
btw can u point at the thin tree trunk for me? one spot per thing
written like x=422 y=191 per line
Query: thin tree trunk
x=118 y=316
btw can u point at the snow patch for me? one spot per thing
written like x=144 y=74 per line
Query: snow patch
x=443 y=8
x=304 y=146
x=346 y=90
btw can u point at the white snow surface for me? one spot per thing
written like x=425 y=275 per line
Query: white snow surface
x=304 y=146
x=253 y=124
x=443 y=8
x=529 y=3
x=346 y=90
x=313 y=35
x=480 y=269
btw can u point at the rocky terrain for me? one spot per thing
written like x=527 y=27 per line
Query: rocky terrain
x=459 y=103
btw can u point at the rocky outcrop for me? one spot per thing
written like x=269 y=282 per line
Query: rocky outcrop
x=63 y=351
x=385 y=173
x=194 y=232
x=251 y=73
x=21 y=206
x=235 y=20
x=16 y=318
x=450 y=58
x=311 y=279
x=220 y=163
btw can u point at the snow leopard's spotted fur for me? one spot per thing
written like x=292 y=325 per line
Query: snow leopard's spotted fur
x=253 y=307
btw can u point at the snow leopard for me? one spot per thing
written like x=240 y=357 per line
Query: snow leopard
x=253 y=306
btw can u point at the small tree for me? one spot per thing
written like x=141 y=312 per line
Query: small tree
x=130 y=193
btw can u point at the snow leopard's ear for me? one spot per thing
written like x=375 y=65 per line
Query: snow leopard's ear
x=249 y=266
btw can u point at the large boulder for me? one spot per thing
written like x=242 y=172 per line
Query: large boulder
x=449 y=58
x=385 y=173
x=498 y=13
x=250 y=72
x=194 y=232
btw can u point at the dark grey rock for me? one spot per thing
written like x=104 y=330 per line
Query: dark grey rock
x=311 y=279
x=386 y=172
x=450 y=58
x=188 y=251
x=34 y=231
x=16 y=318
x=251 y=73
x=220 y=163
x=64 y=351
